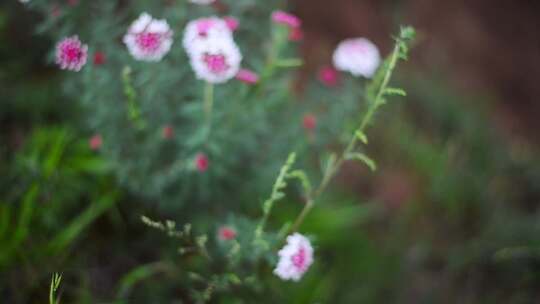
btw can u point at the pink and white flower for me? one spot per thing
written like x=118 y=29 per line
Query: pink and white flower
x=216 y=60
x=294 y=258
x=71 y=54
x=359 y=56
x=202 y=30
x=149 y=39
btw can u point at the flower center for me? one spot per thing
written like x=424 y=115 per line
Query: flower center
x=72 y=53
x=149 y=41
x=216 y=63
x=299 y=259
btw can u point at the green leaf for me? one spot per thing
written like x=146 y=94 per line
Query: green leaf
x=364 y=159
x=78 y=224
x=395 y=91
x=361 y=136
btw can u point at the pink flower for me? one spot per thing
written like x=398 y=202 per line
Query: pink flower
x=226 y=233
x=71 y=54
x=73 y=2
x=309 y=122
x=329 y=76
x=290 y=20
x=232 y=23
x=359 y=56
x=247 y=76
x=296 y=34
x=168 y=132
x=99 y=58
x=295 y=258
x=95 y=142
x=149 y=39
x=201 y=162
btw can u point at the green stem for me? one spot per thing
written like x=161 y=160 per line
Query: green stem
x=208 y=104
x=331 y=171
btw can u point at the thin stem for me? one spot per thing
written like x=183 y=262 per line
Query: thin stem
x=331 y=171
x=208 y=104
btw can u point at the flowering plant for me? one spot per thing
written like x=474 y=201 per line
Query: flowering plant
x=201 y=125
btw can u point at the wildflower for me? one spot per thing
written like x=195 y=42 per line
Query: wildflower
x=99 y=58
x=201 y=162
x=148 y=39
x=247 y=76
x=202 y=2
x=168 y=132
x=95 y=142
x=71 y=54
x=287 y=19
x=216 y=61
x=359 y=56
x=329 y=76
x=232 y=23
x=226 y=233
x=309 y=122
x=73 y=2
x=202 y=30
x=294 y=258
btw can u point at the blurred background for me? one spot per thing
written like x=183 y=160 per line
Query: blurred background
x=450 y=216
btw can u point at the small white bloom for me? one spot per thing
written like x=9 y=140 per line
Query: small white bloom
x=149 y=39
x=216 y=60
x=201 y=30
x=24 y=1
x=359 y=56
x=294 y=258
x=202 y=2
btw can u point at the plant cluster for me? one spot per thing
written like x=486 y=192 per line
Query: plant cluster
x=200 y=122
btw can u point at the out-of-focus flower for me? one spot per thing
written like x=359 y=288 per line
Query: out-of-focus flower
x=294 y=258
x=202 y=2
x=296 y=34
x=56 y=11
x=149 y=39
x=247 y=76
x=200 y=31
x=232 y=23
x=329 y=76
x=71 y=54
x=73 y=2
x=285 y=18
x=309 y=122
x=168 y=132
x=24 y=1
x=359 y=56
x=95 y=142
x=201 y=162
x=99 y=58
x=226 y=233
x=216 y=60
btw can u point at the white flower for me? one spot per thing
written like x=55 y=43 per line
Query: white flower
x=294 y=258
x=202 y=2
x=216 y=60
x=201 y=30
x=148 y=39
x=24 y=1
x=359 y=56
